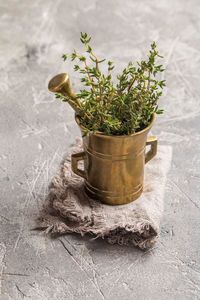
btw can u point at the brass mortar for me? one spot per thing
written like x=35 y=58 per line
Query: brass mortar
x=114 y=165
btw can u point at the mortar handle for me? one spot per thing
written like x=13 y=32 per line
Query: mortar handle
x=74 y=163
x=152 y=141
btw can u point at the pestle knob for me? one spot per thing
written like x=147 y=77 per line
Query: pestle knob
x=61 y=84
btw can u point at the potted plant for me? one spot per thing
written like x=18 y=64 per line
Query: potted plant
x=114 y=121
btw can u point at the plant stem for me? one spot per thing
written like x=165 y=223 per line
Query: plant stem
x=149 y=79
x=132 y=82
x=88 y=73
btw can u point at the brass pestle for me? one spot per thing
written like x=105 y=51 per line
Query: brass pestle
x=61 y=84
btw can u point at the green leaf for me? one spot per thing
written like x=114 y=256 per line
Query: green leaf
x=88 y=40
x=82 y=58
x=94 y=60
x=83 y=35
x=160 y=111
x=89 y=49
x=100 y=61
x=58 y=95
x=64 y=56
x=111 y=68
x=153 y=45
x=76 y=67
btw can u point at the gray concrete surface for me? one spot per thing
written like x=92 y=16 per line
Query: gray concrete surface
x=36 y=131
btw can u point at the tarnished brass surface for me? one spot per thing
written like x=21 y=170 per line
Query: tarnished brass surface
x=114 y=165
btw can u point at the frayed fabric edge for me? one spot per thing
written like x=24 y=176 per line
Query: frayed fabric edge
x=143 y=236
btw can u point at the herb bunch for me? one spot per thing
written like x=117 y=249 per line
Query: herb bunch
x=120 y=109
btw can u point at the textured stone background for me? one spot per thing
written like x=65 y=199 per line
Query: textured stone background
x=36 y=131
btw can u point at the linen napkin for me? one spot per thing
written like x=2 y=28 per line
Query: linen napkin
x=68 y=209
